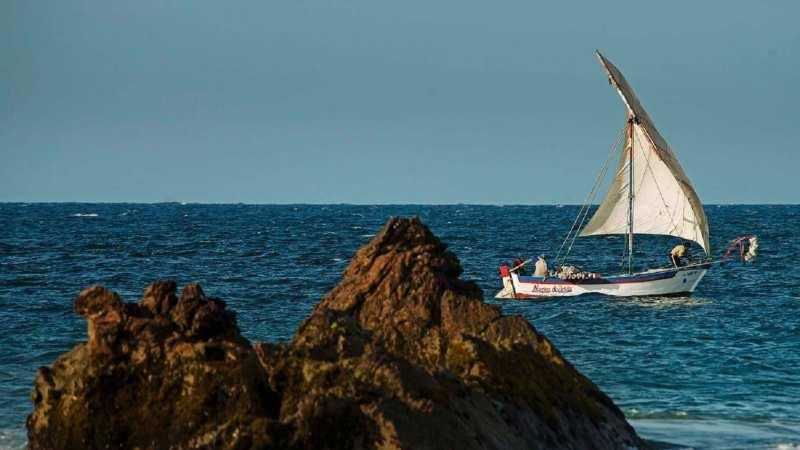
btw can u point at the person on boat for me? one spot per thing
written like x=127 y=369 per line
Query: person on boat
x=520 y=266
x=679 y=252
x=541 y=267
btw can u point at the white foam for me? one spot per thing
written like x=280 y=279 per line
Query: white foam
x=85 y=215
x=13 y=439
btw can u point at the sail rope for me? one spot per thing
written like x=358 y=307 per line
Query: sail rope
x=577 y=224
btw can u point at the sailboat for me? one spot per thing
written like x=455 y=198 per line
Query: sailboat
x=649 y=194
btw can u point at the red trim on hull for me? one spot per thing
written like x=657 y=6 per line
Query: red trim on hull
x=523 y=296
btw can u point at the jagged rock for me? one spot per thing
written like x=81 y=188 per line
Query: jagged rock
x=164 y=373
x=404 y=354
x=401 y=354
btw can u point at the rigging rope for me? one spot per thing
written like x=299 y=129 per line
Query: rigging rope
x=584 y=211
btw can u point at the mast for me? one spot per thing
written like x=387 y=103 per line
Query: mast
x=631 y=119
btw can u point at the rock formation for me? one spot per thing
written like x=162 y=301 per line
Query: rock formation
x=165 y=373
x=401 y=354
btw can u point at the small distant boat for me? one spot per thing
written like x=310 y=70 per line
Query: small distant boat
x=649 y=194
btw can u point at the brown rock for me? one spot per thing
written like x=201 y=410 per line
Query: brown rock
x=159 y=297
x=404 y=354
x=145 y=381
x=104 y=313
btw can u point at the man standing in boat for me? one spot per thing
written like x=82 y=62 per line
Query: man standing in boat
x=519 y=265
x=679 y=252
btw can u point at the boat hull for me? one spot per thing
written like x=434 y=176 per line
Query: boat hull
x=674 y=281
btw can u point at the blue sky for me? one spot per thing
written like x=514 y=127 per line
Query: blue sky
x=387 y=102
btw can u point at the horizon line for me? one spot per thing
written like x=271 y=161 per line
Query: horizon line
x=170 y=202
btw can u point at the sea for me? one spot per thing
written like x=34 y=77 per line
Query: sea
x=716 y=370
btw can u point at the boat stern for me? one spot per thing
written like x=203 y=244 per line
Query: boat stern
x=508 y=284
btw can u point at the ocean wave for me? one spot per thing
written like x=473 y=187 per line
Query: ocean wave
x=634 y=413
x=85 y=215
x=13 y=439
x=706 y=432
x=787 y=446
x=663 y=302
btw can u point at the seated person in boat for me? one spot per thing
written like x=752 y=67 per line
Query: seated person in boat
x=541 y=267
x=679 y=253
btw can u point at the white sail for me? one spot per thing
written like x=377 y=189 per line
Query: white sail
x=664 y=201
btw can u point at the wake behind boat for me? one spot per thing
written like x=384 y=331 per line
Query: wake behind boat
x=649 y=194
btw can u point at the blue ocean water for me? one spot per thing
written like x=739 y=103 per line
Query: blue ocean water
x=719 y=369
